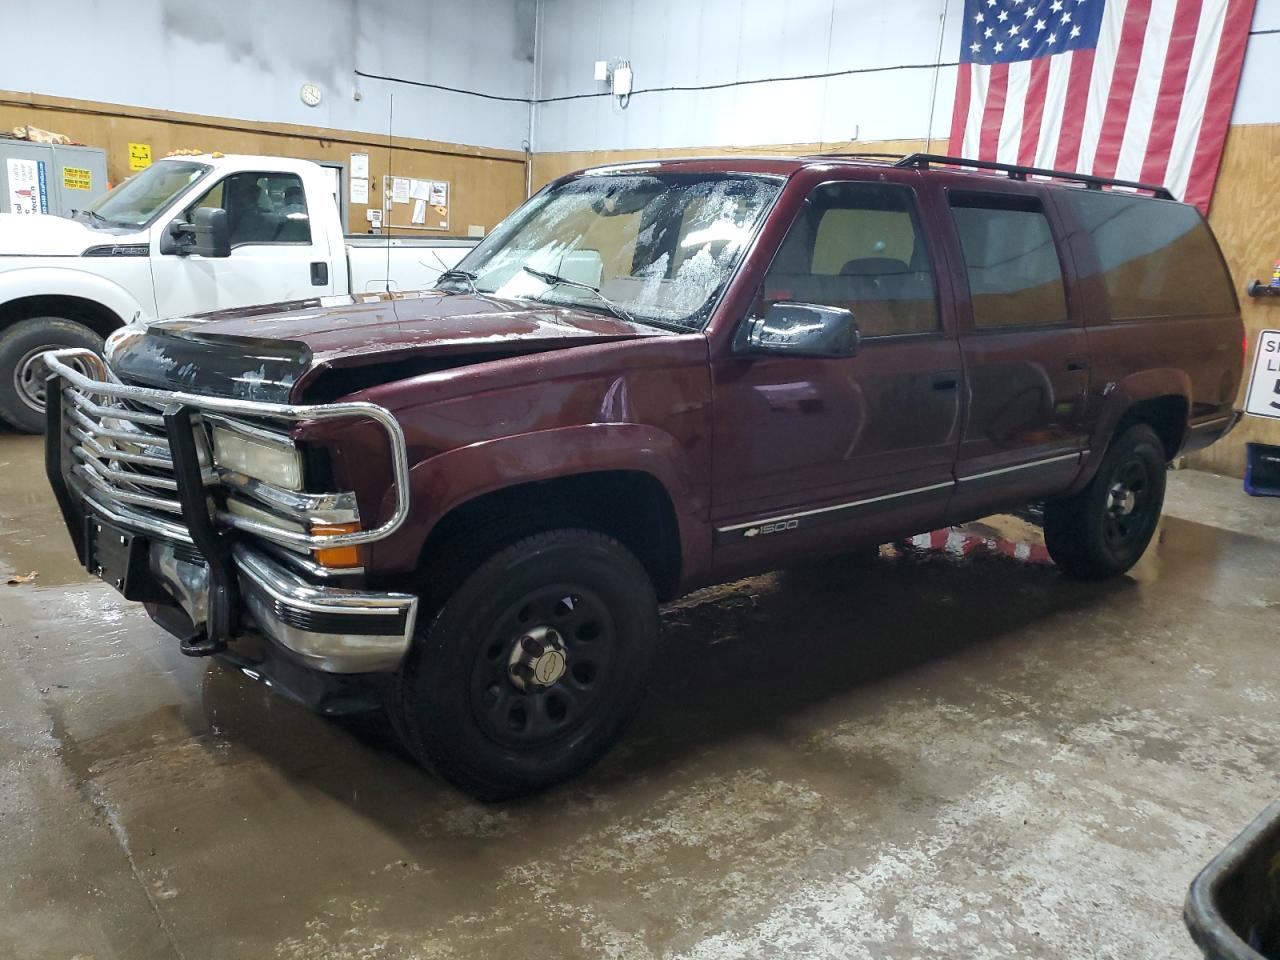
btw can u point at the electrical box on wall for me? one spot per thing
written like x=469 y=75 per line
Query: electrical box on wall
x=45 y=178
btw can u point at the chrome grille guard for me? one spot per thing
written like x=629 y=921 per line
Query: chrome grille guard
x=96 y=432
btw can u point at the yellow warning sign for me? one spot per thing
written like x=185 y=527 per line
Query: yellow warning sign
x=139 y=156
x=77 y=178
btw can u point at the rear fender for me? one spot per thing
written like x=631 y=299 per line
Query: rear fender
x=1117 y=398
x=449 y=480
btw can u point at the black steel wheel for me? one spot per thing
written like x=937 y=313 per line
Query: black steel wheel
x=1104 y=529
x=527 y=673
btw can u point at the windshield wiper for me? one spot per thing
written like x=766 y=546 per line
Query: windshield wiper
x=554 y=279
x=453 y=273
x=91 y=213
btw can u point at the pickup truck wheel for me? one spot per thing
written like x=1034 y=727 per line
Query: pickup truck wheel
x=22 y=372
x=528 y=671
x=1103 y=530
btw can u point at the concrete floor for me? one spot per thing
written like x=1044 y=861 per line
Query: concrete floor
x=960 y=756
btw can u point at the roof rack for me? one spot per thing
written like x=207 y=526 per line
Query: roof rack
x=921 y=161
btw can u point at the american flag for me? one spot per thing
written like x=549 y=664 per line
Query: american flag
x=1132 y=89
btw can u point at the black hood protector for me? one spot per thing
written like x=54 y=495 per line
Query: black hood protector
x=218 y=365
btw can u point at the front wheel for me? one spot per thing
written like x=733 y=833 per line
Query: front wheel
x=1104 y=529
x=22 y=372
x=528 y=671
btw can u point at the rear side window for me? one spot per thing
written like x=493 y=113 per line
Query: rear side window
x=858 y=246
x=1158 y=258
x=1015 y=278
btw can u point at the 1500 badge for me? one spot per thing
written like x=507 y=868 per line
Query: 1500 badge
x=778 y=526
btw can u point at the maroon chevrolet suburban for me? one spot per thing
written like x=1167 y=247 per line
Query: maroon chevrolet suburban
x=465 y=505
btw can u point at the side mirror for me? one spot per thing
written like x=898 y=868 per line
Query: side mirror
x=212 y=232
x=800 y=330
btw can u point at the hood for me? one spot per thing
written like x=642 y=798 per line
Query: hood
x=272 y=352
x=45 y=235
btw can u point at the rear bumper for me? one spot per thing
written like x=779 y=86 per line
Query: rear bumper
x=330 y=629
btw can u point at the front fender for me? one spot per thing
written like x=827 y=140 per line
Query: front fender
x=51 y=281
x=447 y=481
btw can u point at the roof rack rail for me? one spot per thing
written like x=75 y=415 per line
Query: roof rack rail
x=921 y=161
x=860 y=155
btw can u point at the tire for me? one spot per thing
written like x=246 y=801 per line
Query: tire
x=22 y=374
x=485 y=708
x=1104 y=529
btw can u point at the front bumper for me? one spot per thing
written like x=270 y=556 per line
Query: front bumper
x=331 y=629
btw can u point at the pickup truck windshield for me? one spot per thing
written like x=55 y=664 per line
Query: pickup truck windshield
x=138 y=199
x=659 y=246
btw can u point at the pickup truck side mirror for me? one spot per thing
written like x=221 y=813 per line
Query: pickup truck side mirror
x=799 y=330
x=208 y=234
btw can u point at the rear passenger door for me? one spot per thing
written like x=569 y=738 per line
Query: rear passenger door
x=1025 y=353
x=852 y=445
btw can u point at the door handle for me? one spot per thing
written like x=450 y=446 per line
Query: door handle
x=946 y=380
x=319 y=273
x=1077 y=364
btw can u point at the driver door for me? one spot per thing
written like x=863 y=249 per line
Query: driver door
x=275 y=254
x=813 y=452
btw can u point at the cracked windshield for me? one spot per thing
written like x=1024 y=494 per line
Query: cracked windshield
x=653 y=248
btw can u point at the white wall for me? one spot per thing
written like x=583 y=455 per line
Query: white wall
x=247 y=59
x=678 y=42
x=687 y=42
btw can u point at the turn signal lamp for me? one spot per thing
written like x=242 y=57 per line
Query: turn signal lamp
x=336 y=557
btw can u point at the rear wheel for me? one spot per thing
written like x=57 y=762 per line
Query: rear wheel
x=1104 y=529
x=528 y=671
x=22 y=372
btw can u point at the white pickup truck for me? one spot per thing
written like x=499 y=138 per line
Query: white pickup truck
x=188 y=235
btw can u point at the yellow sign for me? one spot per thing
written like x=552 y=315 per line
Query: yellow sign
x=77 y=178
x=139 y=156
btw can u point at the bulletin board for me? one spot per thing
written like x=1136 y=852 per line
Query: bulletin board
x=410 y=203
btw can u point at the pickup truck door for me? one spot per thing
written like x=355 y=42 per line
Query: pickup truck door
x=811 y=454
x=1026 y=355
x=277 y=252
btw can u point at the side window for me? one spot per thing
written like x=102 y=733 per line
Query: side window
x=1158 y=258
x=261 y=207
x=1015 y=278
x=859 y=246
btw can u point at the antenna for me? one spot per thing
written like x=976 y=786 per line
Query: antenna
x=391 y=113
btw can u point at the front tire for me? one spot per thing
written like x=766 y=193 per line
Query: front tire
x=1104 y=529
x=22 y=373
x=529 y=670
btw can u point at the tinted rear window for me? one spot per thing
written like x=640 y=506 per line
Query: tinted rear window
x=1158 y=258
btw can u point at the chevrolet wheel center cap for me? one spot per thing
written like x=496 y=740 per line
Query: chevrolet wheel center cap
x=549 y=667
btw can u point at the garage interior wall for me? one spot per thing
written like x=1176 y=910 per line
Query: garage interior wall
x=228 y=77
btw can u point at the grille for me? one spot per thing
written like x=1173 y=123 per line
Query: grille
x=119 y=451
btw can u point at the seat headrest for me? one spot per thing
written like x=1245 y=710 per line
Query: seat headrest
x=865 y=266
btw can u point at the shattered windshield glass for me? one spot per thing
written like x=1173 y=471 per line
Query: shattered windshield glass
x=658 y=246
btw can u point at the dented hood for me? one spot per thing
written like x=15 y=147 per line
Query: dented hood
x=269 y=353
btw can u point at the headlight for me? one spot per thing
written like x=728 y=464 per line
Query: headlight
x=276 y=462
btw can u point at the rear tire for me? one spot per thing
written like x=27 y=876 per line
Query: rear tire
x=22 y=373
x=529 y=670
x=1104 y=529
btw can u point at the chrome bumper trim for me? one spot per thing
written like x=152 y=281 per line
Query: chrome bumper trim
x=332 y=629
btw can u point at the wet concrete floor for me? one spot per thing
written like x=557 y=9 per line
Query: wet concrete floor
x=957 y=753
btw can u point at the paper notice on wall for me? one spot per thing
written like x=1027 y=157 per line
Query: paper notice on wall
x=419 y=189
x=439 y=193
x=359 y=190
x=419 y=211
x=399 y=189
x=28 y=188
x=139 y=156
x=360 y=166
